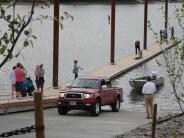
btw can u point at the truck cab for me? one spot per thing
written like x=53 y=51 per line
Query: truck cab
x=89 y=93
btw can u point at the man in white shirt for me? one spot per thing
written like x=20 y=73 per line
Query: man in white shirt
x=148 y=90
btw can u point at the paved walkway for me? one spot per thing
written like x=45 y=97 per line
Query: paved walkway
x=78 y=124
x=110 y=71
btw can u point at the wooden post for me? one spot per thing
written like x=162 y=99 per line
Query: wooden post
x=166 y=13
x=154 y=120
x=112 y=30
x=56 y=44
x=39 y=118
x=145 y=23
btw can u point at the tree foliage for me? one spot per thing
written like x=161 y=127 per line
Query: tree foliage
x=174 y=58
x=16 y=25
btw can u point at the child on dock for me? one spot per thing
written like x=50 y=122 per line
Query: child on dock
x=76 y=69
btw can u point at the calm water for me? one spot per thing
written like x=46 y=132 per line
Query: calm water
x=87 y=39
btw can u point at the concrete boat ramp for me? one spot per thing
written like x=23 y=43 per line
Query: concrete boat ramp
x=9 y=105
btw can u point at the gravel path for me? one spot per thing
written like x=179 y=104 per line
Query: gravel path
x=170 y=126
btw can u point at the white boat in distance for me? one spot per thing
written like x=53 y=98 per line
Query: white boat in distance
x=138 y=83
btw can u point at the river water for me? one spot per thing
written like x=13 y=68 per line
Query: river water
x=164 y=96
x=87 y=39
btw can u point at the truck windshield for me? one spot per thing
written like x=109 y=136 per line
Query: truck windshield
x=86 y=83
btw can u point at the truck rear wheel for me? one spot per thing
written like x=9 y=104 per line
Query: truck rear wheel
x=96 y=108
x=62 y=110
x=116 y=106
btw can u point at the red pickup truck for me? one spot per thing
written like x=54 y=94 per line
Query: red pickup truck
x=89 y=93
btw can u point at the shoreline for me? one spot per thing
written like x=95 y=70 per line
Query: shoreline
x=171 y=125
x=86 y=2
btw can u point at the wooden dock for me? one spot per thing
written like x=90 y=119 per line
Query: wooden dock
x=9 y=105
x=128 y=63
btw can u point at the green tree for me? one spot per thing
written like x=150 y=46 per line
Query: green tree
x=17 y=25
x=174 y=58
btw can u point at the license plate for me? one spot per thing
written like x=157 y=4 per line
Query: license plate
x=72 y=103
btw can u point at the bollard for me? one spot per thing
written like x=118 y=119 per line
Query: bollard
x=39 y=118
x=154 y=121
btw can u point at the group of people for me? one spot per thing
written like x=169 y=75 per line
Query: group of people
x=21 y=85
x=164 y=35
x=163 y=38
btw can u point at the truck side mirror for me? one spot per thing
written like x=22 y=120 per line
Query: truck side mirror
x=104 y=86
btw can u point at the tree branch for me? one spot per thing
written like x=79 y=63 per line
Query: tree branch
x=24 y=25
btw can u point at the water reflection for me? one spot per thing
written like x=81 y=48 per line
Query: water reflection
x=135 y=96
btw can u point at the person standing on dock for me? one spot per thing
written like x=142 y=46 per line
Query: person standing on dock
x=137 y=47
x=12 y=80
x=148 y=90
x=109 y=19
x=161 y=36
x=172 y=32
x=76 y=69
x=20 y=74
x=36 y=72
x=165 y=35
x=41 y=76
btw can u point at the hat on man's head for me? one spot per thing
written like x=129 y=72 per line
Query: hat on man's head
x=153 y=73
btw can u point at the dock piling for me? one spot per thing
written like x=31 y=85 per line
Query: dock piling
x=112 y=31
x=145 y=23
x=56 y=43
